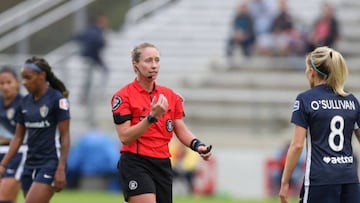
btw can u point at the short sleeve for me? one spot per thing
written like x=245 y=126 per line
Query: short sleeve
x=120 y=109
x=19 y=118
x=299 y=113
x=179 y=107
x=62 y=107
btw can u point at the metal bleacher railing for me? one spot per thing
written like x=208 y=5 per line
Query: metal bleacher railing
x=25 y=19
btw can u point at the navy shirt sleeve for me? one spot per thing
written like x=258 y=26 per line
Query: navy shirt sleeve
x=299 y=114
x=62 y=109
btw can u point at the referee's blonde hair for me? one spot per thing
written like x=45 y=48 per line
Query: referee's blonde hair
x=329 y=65
x=136 y=52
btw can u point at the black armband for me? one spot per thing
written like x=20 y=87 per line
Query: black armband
x=195 y=143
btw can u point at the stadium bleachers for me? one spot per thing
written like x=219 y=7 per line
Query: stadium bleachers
x=254 y=98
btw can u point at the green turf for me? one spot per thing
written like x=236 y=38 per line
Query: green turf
x=75 y=196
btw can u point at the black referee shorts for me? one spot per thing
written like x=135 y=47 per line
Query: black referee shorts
x=141 y=175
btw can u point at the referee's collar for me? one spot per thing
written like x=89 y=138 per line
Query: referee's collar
x=139 y=88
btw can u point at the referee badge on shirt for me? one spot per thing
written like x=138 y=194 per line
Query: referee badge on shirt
x=116 y=102
x=44 y=111
x=169 y=125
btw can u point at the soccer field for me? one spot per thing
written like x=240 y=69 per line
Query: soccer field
x=76 y=196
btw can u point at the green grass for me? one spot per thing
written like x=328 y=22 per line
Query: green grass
x=74 y=196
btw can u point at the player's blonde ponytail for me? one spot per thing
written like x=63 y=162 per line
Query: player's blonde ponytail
x=330 y=65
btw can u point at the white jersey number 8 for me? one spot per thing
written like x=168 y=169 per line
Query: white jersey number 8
x=336 y=131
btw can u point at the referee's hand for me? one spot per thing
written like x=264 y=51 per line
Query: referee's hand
x=205 y=151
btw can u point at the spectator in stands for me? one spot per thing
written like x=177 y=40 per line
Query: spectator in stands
x=325 y=30
x=263 y=13
x=286 y=40
x=242 y=31
x=92 y=42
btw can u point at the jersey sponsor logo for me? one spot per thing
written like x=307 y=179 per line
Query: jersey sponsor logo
x=133 y=185
x=44 y=110
x=64 y=104
x=333 y=104
x=296 y=105
x=116 y=102
x=338 y=160
x=41 y=124
x=169 y=125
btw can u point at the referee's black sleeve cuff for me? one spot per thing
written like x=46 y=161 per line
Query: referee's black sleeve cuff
x=119 y=119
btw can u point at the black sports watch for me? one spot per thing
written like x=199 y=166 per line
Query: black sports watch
x=151 y=119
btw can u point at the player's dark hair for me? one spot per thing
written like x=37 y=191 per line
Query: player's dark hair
x=136 y=52
x=329 y=65
x=54 y=81
x=10 y=70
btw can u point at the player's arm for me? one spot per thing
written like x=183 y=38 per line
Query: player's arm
x=129 y=133
x=357 y=134
x=14 y=144
x=292 y=157
x=60 y=180
x=64 y=131
x=188 y=139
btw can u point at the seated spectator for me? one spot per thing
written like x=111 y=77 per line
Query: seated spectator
x=263 y=13
x=285 y=38
x=242 y=33
x=325 y=30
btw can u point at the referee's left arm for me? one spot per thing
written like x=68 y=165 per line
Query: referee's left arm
x=188 y=139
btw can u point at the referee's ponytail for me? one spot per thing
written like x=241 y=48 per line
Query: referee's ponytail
x=54 y=81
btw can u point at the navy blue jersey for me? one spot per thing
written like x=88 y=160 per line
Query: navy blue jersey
x=330 y=120
x=40 y=119
x=7 y=114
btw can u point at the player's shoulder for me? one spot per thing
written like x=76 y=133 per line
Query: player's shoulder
x=54 y=94
x=317 y=91
x=352 y=97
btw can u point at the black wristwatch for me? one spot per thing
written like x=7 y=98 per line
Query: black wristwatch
x=151 y=119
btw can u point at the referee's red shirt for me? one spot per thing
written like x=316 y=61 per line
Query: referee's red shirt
x=132 y=102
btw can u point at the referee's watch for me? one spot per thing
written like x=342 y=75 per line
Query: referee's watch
x=151 y=119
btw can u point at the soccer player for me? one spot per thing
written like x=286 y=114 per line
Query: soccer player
x=9 y=101
x=326 y=117
x=146 y=115
x=41 y=113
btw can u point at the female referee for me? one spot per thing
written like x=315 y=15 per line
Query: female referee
x=326 y=116
x=146 y=115
x=44 y=110
x=9 y=101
